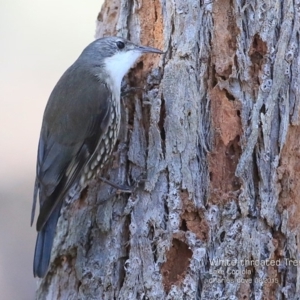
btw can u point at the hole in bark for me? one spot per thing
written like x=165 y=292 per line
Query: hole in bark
x=263 y=109
x=151 y=232
x=238 y=113
x=140 y=65
x=213 y=76
x=155 y=15
x=256 y=178
x=162 y=118
x=166 y=210
x=183 y=226
x=78 y=285
x=258 y=48
x=90 y=238
x=151 y=236
x=229 y=96
x=222 y=236
x=154 y=251
x=230 y=150
x=178 y=260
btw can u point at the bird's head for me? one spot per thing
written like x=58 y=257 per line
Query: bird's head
x=116 y=55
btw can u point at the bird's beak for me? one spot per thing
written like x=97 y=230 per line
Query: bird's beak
x=144 y=49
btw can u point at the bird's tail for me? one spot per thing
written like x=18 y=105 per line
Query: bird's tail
x=44 y=244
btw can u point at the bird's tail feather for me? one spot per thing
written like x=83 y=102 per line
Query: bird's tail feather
x=44 y=244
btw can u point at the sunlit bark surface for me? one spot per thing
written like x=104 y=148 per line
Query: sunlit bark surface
x=211 y=147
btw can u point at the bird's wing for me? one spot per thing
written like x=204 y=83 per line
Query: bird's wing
x=77 y=114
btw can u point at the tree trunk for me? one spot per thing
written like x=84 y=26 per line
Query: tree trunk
x=211 y=147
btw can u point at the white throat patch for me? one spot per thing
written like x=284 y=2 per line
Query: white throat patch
x=119 y=64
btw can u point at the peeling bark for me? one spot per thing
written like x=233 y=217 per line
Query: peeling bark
x=211 y=146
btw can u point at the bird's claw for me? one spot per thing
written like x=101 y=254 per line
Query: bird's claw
x=120 y=188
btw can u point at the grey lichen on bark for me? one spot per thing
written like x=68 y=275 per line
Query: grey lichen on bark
x=209 y=146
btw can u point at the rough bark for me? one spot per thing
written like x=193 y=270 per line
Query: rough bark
x=211 y=146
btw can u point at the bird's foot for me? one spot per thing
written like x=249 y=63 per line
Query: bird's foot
x=119 y=188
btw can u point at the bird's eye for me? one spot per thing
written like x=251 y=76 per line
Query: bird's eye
x=120 y=45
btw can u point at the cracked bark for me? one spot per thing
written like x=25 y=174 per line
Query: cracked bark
x=215 y=135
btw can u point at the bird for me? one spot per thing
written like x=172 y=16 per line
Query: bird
x=79 y=130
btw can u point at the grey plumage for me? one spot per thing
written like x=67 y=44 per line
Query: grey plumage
x=79 y=130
